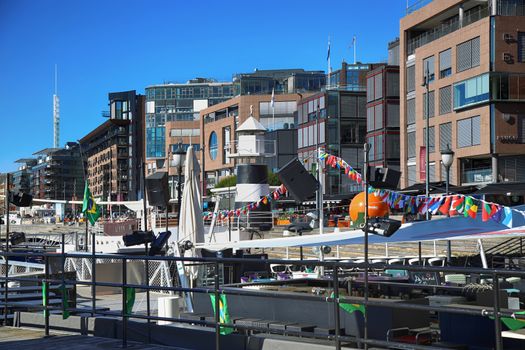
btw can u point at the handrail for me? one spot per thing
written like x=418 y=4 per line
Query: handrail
x=496 y=312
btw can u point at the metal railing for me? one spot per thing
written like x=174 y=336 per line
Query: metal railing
x=445 y=29
x=333 y=279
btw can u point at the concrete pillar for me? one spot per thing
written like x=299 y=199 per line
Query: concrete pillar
x=494 y=167
x=461 y=15
x=493 y=7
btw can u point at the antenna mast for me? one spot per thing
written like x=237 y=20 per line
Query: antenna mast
x=56 y=113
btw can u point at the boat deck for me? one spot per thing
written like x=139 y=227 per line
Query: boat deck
x=23 y=338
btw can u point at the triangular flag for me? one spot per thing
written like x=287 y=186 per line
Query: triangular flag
x=485 y=211
x=507 y=217
x=457 y=205
x=435 y=204
x=497 y=214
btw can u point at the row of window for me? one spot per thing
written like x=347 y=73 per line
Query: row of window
x=163 y=93
x=467 y=56
x=468 y=133
x=467 y=93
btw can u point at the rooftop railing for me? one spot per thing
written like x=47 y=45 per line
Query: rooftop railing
x=446 y=28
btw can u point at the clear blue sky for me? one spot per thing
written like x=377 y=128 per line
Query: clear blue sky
x=117 y=45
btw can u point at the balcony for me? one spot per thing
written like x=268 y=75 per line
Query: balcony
x=446 y=28
x=250 y=146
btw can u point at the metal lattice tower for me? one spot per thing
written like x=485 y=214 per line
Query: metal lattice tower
x=56 y=114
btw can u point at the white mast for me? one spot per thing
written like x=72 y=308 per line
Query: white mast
x=56 y=113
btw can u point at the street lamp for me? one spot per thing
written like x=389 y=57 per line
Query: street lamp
x=178 y=161
x=447 y=157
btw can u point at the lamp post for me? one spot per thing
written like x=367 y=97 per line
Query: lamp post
x=178 y=161
x=447 y=157
x=426 y=84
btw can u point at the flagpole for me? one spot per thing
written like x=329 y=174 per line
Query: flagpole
x=273 y=108
x=328 y=59
x=355 y=40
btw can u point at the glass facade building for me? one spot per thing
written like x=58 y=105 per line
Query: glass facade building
x=178 y=102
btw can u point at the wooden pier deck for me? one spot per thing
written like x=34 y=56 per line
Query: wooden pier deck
x=27 y=339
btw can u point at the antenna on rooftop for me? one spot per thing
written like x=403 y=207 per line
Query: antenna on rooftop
x=56 y=113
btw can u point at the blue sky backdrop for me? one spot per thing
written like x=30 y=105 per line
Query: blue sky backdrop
x=116 y=45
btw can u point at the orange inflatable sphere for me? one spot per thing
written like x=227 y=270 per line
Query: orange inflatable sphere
x=376 y=207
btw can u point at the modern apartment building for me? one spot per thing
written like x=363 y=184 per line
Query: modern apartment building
x=341 y=109
x=382 y=116
x=475 y=54
x=58 y=173
x=114 y=151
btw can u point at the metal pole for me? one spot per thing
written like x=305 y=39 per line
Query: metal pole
x=146 y=262
x=124 y=305
x=93 y=274
x=320 y=212
x=365 y=172
x=217 y=307
x=6 y=258
x=336 y=307
x=45 y=284
x=179 y=191
x=427 y=136
x=497 y=323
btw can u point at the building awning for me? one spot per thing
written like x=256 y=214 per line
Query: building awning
x=437 y=188
x=504 y=188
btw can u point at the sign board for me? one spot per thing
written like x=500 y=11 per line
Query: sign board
x=422 y=164
x=424 y=277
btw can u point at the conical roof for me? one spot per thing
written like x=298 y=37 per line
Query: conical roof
x=251 y=125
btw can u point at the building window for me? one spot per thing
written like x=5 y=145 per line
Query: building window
x=471 y=91
x=431 y=139
x=505 y=86
x=411 y=145
x=445 y=136
x=428 y=63
x=411 y=174
x=445 y=100
x=411 y=78
x=431 y=105
x=476 y=170
x=521 y=46
x=213 y=144
x=185 y=132
x=467 y=55
x=445 y=63
x=226 y=138
x=469 y=132
x=411 y=111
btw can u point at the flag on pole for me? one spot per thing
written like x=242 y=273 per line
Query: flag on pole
x=224 y=314
x=130 y=300
x=89 y=207
x=328 y=54
x=65 y=302
x=272 y=101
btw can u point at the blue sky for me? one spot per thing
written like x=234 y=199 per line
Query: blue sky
x=117 y=45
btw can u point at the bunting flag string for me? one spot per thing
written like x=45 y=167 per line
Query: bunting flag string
x=225 y=214
x=452 y=205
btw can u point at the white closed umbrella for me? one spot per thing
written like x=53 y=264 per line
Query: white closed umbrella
x=191 y=225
